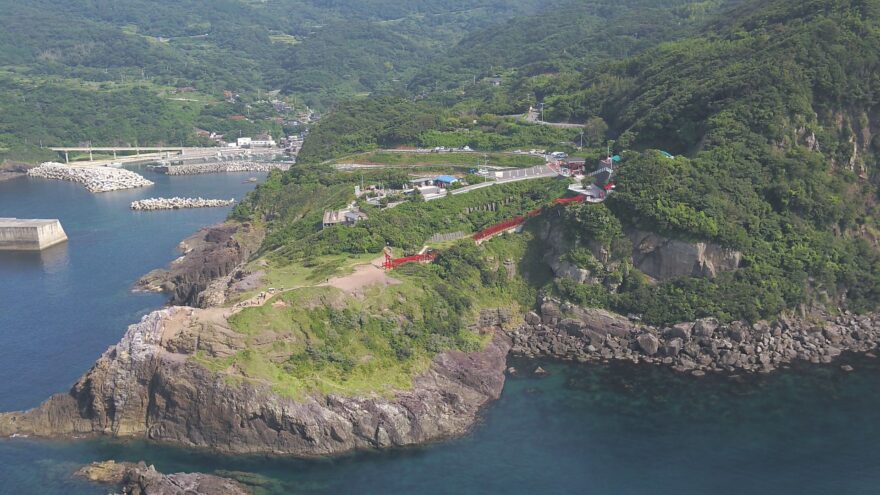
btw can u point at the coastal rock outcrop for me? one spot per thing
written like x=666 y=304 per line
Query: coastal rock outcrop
x=210 y=254
x=570 y=333
x=150 y=386
x=11 y=170
x=140 y=479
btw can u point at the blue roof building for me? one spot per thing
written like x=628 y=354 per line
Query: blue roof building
x=445 y=180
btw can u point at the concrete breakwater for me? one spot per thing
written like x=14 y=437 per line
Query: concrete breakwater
x=591 y=335
x=219 y=167
x=30 y=235
x=176 y=203
x=95 y=179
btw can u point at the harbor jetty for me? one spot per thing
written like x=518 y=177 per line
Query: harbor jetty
x=176 y=203
x=30 y=235
x=220 y=167
x=95 y=179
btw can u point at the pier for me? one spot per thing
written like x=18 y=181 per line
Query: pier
x=30 y=235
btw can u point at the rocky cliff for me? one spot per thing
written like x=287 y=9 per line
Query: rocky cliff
x=149 y=386
x=656 y=256
x=663 y=259
x=210 y=254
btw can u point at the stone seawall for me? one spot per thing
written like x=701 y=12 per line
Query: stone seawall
x=95 y=179
x=220 y=167
x=30 y=235
x=176 y=203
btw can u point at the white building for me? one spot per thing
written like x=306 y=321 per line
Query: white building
x=264 y=140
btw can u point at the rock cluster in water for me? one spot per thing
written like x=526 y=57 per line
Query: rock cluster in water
x=177 y=203
x=95 y=179
x=212 y=168
x=145 y=480
x=585 y=335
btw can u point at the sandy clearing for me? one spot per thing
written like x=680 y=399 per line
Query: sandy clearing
x=364 y=276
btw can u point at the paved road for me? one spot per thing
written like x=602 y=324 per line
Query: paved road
x=534 y=116
x=511 y=175
x=535 y=172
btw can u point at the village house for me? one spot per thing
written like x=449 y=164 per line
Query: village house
x=346 y=216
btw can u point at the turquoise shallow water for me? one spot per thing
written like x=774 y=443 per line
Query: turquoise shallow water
x=583 y=429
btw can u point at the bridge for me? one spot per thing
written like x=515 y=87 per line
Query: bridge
x=137 y=150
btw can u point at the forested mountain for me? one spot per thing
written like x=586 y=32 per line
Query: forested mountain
x=80 y=71
x=566 y=38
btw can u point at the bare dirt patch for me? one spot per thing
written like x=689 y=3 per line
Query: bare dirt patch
x=364 y=276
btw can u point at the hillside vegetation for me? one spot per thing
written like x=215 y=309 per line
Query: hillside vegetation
x=110 y=72
x=771 y=107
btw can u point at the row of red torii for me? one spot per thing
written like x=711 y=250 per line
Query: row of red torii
x=430 y=255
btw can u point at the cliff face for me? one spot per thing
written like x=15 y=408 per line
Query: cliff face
x=657 y=257
x=147 y=386
x=663 y=259
x=210 y=254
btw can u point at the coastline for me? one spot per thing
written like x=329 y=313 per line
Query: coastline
x=150 y=385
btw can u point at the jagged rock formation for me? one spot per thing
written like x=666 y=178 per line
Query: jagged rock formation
x=588 y=335
x=663 y=259
x=140 y=479
x=149 y=386
x=210 y=254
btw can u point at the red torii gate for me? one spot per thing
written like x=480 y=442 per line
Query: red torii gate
x=392 y=263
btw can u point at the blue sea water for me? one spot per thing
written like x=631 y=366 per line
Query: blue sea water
x=604 y=430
